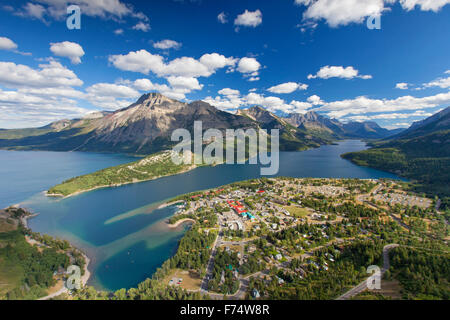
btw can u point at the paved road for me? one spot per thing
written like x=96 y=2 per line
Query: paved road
x=210 y=265
x=363 y=285
x=64 y=289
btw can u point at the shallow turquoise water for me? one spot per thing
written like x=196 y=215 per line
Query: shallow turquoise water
x=127 y=239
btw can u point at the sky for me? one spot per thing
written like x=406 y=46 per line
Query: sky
x=289 y=56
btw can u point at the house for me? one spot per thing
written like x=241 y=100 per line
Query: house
x=278 y=256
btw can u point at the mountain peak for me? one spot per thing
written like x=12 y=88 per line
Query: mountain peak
x=153 y=98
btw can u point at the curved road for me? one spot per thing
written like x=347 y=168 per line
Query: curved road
x=363 y=285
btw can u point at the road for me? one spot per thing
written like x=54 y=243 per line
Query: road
x=64 y=289
x=363 y=285
x=210 y=265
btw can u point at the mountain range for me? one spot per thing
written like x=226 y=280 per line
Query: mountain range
x=421 y=153
x=145 y=127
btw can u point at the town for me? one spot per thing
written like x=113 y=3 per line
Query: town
x=275 y=233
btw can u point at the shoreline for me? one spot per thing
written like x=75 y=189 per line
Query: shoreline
x=180 y=222
x=168 y=204
x=61 y=196
x=24 y=220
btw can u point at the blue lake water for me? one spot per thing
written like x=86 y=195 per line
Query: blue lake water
x=120 y=228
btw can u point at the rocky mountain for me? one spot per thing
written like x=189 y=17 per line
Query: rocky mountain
x=142 y=128
x=439 y=121
x=334 y=129
x=292 y=138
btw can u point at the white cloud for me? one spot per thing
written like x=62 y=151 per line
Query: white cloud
x=222 y=17
x=230 y=100
x=425 y=5
x=401 y=125
x=167 y=44
x=67 y=49
x=249 y=19
x=48 y=75
x=402 y=86
x=106 y=9
x=216 y=61
x=118 y=31
x=300 y=106
x=112 y=90
x=390 y=116
x=142 y=26
x=287 y=87
x=7 y=44
x=364 y=105
x=33 y=11
x=144 y=62
x=248 y=65
x=185 y=83
x=314 y=100
x=343 y=12
x=440 y=82
x=20 y=109
x=229 y=92
x=328 y=72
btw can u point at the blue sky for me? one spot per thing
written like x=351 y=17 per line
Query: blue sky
x=288 y=56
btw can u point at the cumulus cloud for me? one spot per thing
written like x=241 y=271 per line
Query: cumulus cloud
x=315 y=100
x=167 y=44
x=188 y=83
x=112 y=90
x=38 y=96
x=328 y=72
x=33 y=11
x=249 y=65
x=249 y=19
x=231 y=100
x=287 y=87
x=20 y=109
x=7 y=44
x=48 y=75
x=106 y=9
x=229 y=92
x=67 y=49
x=144 y=62
x=443 y=83
x=142 y=26
x=364 y=105
x=343 y=12
x=402 y=86
x=424 y=5
x=390 y=116
x=118 y=32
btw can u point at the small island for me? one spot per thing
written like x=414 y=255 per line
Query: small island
x=149 y=168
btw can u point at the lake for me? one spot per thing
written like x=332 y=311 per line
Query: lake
x=121 y=229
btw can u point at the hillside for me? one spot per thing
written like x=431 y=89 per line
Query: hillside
x=291 y=137
x=421 y=153
x=334 y=129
